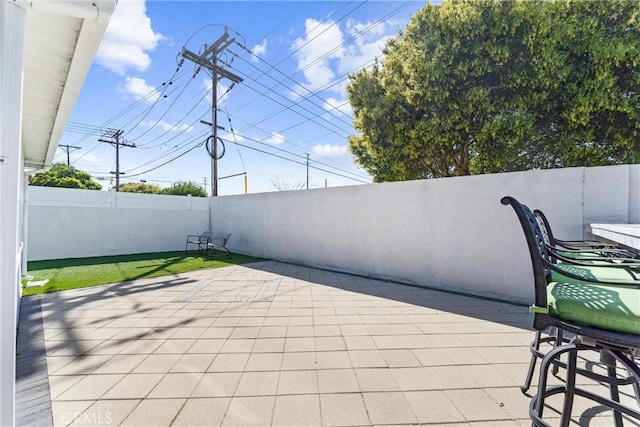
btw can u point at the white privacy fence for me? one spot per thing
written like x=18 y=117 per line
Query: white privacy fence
x=449 y=233
x=69 y=223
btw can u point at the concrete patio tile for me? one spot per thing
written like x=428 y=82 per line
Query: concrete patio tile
x=229 y=362
x=499 y=355
x=329 y=343
x=298 y=382
x=91 y=387
x=487 y=375
x=366 y=359
x=133 y=386
x=193 y=363
x=71 y=348
x=299 y=410
x=300 y=331
x=377 y=379
x=343 y=410
x=250 y=411
x=467 y=356
x=359 y=343
x=120 y=364
x=176 y=385
x=245 y=332
x=389 y=408
x=77 y=365
x=298 y=361
x=327 y=331
x=411 y=378
x=207 y=346
x=174 y=346
x=349 y=330
x=447 y=377
x=264 y=362
x=258 y=384
x=511 y=400
x=202 y=412
x=156 y=363
x=154 y=412
x=58 y=384
x=273 y=332
x=332 y=359
x=269 y=345
x=146 y=346
x=337 y=381
x=219 y=384
x=217 y=332
x=237 y=346
x=384 y=342
x=400 y=358
x=435 y=356
x=188 y=332
x=477 y=405
x=105 y=412
x=433 y=407
x=294 y=344
x=63 y=413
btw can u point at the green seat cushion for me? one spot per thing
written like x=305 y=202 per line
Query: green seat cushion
x=595 y=272
x=614 y=308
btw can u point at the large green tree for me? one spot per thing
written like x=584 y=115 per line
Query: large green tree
x=185 y=188
x=140 y=187
x=61 y=175
x=490 y=86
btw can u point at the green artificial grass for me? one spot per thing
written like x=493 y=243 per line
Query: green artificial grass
x=75 y=273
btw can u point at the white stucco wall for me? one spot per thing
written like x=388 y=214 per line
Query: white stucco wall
x=448 y=233
x=68 y=223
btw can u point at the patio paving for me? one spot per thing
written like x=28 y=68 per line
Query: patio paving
x=278 y=344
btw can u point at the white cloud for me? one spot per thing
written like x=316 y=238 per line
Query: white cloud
x=138 y=89
x=333 y=104
x=232 y=136
x=168 y=127
x=129 y=38
x=328 y=150
x=259 y=49
x=275 y=139
x=323 y=56
x=322 y=43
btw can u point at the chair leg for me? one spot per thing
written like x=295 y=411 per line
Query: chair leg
x=534 y=347
x=537 y=402
x=607 y=359
x=570 y=387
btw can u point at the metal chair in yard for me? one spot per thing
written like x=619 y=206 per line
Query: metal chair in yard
x=200 y=241
x=218 y=243
x=596 y=300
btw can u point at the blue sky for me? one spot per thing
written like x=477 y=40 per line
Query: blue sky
x=293 y=57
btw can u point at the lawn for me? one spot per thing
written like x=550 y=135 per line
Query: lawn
x=82 y=272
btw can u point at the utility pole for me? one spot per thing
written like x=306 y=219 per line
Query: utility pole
x=209 y=60
x=113 y=136
x=68 y=147
x=307 y=171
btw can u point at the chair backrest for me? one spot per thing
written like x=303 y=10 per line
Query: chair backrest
x=537 y=248
x=206 y=235
x=541 y=219
x=226 y=237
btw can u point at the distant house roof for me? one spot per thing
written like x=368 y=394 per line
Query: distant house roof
x=61 y=40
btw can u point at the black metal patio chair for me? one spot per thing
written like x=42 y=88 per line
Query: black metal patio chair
x=601 y=315
x=218 y=243
x=200 y=241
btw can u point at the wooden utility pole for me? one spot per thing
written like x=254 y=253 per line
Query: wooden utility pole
x=113 y=136
x=68 y=147
x=209 y=60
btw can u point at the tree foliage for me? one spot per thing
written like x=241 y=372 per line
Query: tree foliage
x=61 y=175
x=140 y=187
x=491 y=86
x=184 y=189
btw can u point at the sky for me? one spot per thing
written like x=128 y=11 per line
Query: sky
x=289 y=115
